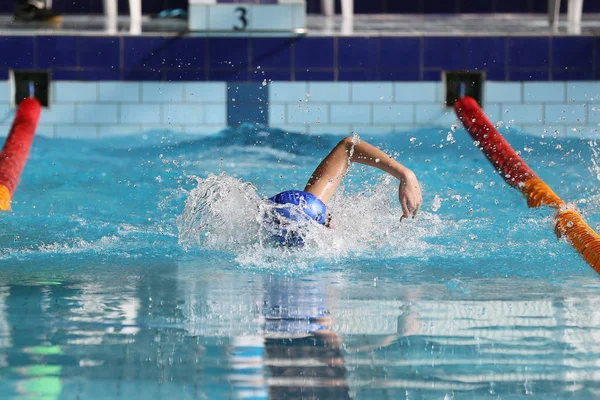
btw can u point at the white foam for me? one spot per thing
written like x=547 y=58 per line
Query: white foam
x=224 y=213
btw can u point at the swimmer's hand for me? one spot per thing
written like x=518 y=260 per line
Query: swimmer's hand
x=409 y=194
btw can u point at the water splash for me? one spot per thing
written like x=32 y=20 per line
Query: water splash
x=227 y=214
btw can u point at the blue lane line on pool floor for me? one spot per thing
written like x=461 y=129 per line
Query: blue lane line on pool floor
x=247 y=102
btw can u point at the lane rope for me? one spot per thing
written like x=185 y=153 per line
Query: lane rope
x=16 y=148
x=568 y=222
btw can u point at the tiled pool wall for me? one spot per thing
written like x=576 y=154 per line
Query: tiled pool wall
x=125 y=85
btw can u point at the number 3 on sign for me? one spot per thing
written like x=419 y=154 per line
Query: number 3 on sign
x=243 y=22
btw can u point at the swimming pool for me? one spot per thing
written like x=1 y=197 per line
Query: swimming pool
x=113 y=288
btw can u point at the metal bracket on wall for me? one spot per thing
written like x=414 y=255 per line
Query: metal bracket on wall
x=29 y=83
x=460 y=83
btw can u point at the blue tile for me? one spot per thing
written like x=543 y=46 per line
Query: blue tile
x=529 y=52
x=445 y=52
x=591 y=6
x=529 y=75
x=439 y=6
x=186 y=52
x=474 y=6
x=20 y=49
x=368 y=7
x=185 y=75
x=404 y=7
x=358 y=75
x=573 y=52
x=3 y=74
x=271 y=53
x=312 y=75
x=65 y=74
x=99 y=52
x=314 y=53
x=228 y=52
x=494 y=74
x=486 y=53
x=399 y=53
x=572 y=74
x=514 y=6
x=150 y=74
x=432 y=75
x=230 y=74
x=271 y=75
x=400 y=74
x=56 y=51
x=358 y=52
x=143 y=52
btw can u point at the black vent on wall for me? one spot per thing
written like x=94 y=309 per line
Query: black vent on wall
x=459 y=83
x=26 y=82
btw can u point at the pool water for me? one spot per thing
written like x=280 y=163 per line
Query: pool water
x=138 y=267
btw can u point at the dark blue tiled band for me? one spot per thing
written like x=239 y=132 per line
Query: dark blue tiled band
x=306 y=58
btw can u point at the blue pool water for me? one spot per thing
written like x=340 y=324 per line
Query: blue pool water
x=137 y=267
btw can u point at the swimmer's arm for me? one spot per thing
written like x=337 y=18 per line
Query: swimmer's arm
x=328 y=175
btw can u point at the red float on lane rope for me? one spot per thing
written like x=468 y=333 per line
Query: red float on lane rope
x=16 y=148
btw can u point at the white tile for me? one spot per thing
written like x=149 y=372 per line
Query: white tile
x=288 y=92
x=215 y=114
x=503 y=92
x=376 y=129
x=324 y=92
x=566 y=113
x=544 y=92
x=73 y=92
x=205 y=92
x=276 y=114
x=307 y=113
x=58 y=113
x=351 y=113
x=415 y=92
x=582 y=91
x=140 y=114
x=372 y=92
x=393 y=113
x=117 y=92
x=97 y=113
x=523 y=113
x=336 y=129
x=162 y=92
x=184 y=114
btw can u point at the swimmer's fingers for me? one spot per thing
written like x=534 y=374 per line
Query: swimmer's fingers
x=404 y=202
x=416 y=210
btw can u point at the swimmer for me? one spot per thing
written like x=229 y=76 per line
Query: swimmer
x=312 y=202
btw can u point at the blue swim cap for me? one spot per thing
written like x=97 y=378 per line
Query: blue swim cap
x=303 y=206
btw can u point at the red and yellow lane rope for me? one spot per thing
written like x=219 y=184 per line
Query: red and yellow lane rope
x=16 y=148
x=568 y=222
